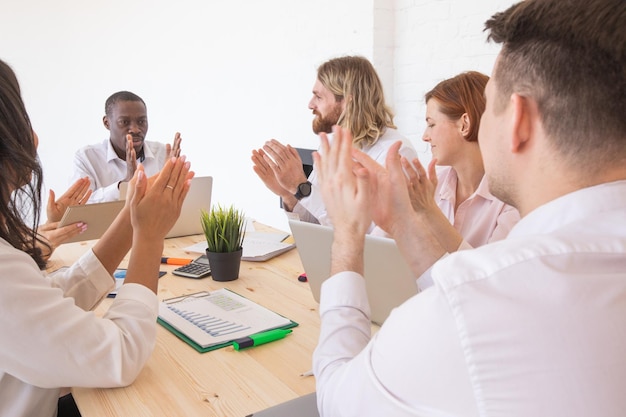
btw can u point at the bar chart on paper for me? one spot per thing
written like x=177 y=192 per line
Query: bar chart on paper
x=218 y=317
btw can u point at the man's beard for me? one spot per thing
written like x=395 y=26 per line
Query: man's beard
x=325 y=124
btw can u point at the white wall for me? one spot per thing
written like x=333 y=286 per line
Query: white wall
x=227 y=75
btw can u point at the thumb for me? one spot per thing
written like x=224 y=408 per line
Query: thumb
x=51 y=197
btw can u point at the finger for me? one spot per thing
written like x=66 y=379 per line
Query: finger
x=85 y=197
x=63 y=233
x=141 y=185
x=51 y=199
x=168 y=150
x=410 y=171
x=392 y=162
x=432 y=172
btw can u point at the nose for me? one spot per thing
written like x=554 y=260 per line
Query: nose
x=426 y=137
x=133 y=127
x=311 y=105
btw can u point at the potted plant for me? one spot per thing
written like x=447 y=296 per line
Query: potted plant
x=224 y=232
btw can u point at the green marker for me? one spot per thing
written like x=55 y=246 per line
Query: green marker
x=260 y=338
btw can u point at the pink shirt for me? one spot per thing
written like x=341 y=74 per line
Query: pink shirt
x=480 y=219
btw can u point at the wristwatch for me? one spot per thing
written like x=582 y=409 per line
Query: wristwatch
x=304 y=190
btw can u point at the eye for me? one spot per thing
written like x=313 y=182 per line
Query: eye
x=430 y=125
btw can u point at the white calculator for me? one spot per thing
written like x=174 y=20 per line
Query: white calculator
x=199 y=268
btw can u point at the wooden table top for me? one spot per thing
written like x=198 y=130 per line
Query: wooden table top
x=179 y=381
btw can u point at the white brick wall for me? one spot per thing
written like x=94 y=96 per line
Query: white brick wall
x=434 y=40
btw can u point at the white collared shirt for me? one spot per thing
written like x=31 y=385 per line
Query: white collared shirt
x=49 y=338
x=532 y=325
x=105 y=169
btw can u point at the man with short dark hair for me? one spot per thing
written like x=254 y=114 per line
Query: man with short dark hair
x=532 y=325
x=113 y=161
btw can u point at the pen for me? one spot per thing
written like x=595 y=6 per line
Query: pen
x=175 y=261
x=260 y=338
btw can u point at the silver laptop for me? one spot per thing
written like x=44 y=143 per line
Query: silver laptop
x=198 y=198
x=305 y=406
x=388 y=278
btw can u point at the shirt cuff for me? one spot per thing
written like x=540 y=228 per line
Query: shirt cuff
x=345 y=289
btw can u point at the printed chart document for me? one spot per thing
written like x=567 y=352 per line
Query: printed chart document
x=213 y=320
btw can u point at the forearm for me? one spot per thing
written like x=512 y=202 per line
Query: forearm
x=144 y=263
x=440 y=227
x=116 y=241
x=347 y=251
x=418 y=245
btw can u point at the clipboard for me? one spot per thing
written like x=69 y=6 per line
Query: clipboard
x=97 y=216
x=183 y=330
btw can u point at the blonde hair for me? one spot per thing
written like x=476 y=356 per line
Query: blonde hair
x=354 y=79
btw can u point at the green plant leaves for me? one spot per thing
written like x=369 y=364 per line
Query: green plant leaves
x=223 y=228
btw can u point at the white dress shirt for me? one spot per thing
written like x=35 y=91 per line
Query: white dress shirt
x=532 y=325
x=105 y=169
x=311 y=209
x=49 y=338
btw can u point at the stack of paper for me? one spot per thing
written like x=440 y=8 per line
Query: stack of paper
x=257 y=246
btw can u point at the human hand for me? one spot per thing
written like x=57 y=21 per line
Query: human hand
x=155 y=203
x=173 y=150
x=421 y=186
x=391 y=203
x=345 y=186
x=286 y=165
x=77 y=195
x=131 y=159
x=55 y=235
x=266 y=174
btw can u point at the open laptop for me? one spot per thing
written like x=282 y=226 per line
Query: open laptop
x=304 y=406
x=198 y=198
x=388 y=278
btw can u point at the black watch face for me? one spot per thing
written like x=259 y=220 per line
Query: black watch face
x=305 y=189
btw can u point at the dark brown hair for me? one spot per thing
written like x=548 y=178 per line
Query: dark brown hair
x=569 y=57
x=20 y=187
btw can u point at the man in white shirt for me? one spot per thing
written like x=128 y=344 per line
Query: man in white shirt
x=532 y=325
x=348 y=93
x=114 y=160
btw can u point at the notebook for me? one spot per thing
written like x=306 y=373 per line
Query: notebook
x=388 y=277
x=198 y=198
x=97 y=216
x=211 y=320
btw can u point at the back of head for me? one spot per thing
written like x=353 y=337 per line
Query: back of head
x=21 y=179
x=355 y=80
x=569 y=56
x=462 y=94
x=120 y=96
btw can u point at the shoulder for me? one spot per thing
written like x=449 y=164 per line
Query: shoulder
x=94 y=149
x=378 y=150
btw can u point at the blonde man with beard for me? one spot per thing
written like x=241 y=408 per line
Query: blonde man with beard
x=348 y=93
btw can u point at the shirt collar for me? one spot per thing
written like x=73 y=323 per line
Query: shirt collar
x=590 y=201
x=449 y=182
x=112 y=155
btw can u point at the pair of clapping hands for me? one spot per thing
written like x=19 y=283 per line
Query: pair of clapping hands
x=358 y=190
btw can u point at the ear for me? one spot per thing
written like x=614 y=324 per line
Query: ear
x=522 y=116
x=105 y=121
x=465 y=125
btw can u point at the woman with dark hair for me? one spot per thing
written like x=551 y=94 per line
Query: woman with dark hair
x=455 y=194
x=49 y=337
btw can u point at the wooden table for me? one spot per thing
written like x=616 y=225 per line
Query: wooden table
x=178 y=381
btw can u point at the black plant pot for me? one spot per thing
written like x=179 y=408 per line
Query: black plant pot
x=224 y=265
